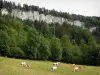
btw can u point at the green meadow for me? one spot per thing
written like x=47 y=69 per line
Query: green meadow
x=11 y=66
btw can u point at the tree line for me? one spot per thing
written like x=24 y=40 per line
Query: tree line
x=37 y=41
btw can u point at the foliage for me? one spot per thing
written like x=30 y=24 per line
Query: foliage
x=44 y=48
x=42 y=41
x=56 y=50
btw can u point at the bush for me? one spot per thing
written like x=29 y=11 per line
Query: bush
x=15 y=52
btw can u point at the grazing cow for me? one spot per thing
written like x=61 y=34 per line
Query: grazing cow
x=56 y=64
x=76 y=69
x=54 y=68
x=28 y=65
x=23 y=64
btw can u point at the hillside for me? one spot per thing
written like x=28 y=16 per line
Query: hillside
x=10 y=66
x=34 y=13
x=24 y=36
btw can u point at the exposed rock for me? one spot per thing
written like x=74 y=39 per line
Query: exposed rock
x=92 y=29
x=34 y=15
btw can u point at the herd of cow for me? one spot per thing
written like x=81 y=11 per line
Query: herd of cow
x=55 y=66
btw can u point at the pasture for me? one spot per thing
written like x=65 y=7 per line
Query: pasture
x=11 y=66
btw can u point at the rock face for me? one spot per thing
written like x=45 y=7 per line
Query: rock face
x=4 y=12
x=34 y=15
x=92 y=29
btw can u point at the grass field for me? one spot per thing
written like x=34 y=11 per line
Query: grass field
x=9 y=66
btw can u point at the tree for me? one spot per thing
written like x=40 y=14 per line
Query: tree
x=15 y=52
x=76 y=54
x=33 y=42
x=56 y=50
x=66 y=56
x=44 y=49
x=98 y=59
x=66 y=49
x=91 y=55
x=45 y=29
x=4 y=42
x=1 y=5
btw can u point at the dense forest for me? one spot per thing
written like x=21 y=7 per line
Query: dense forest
x=41 y=41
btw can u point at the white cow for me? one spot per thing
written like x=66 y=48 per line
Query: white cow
x=23 y=64
x=54 y=68
x=56 y=64
x=76 y=69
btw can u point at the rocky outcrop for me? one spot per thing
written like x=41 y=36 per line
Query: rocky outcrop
x=34 y=15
